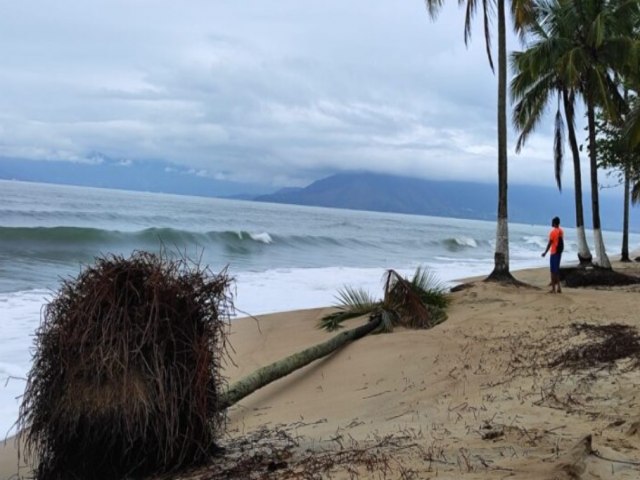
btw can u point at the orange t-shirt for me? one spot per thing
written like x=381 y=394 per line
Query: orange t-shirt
x=554 y=235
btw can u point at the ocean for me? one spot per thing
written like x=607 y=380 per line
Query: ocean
x=283 y=257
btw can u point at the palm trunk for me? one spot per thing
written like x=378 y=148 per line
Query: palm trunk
x=501 y=257
x=601 y=254
x=624 y=256
x=584 y=254
x=277 y=370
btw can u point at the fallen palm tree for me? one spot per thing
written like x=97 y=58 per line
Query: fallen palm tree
x=416 y=303
x=126 y=374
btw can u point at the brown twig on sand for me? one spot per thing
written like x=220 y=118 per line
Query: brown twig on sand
x=605 y=346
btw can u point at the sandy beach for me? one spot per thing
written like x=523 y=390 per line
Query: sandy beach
x=497 y=391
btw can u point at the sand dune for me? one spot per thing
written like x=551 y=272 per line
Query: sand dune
x=474 y=398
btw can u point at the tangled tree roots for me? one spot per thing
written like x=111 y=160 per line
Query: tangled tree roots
x=126 y=374
x=595 y=277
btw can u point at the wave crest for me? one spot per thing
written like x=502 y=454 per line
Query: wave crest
x=455 y=244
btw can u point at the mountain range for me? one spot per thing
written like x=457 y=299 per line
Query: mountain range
x=387 y=193
x=353 y=190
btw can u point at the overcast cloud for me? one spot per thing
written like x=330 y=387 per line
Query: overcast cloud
x=280 y=92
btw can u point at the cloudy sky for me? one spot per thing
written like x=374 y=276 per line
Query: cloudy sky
x=278 y=93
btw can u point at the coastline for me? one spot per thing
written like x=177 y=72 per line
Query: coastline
x=442 y=388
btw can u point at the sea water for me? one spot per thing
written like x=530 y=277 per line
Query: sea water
x=282 y=257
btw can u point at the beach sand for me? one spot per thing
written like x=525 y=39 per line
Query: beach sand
x=473 y=398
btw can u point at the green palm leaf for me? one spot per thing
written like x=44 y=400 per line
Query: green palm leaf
x=353 y=302
x=431 y=289
x=416 y=303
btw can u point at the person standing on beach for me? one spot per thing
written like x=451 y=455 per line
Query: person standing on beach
x=556 y=245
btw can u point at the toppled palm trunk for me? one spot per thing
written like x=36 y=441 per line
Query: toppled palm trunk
x=417 y=303
x=265 y=375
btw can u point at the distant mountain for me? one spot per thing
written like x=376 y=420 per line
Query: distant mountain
x=387 y=193
x=149 y=176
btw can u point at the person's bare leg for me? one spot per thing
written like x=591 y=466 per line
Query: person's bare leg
x=558 y=289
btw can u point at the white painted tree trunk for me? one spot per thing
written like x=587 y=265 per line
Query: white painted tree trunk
x=601 y=255
x=583 y=246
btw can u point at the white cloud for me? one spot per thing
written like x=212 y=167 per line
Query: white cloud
x=271 y=93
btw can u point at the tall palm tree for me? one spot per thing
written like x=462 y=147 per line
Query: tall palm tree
x=589 y=41
x=538 y=77
x=615 y=152
x=520 y=12
x=601 y=47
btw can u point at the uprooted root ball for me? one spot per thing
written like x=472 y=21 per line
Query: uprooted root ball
x=126 y=373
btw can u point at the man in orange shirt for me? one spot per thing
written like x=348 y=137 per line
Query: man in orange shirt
x=556 y=245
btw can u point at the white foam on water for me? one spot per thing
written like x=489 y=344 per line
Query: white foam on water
x=466 y=242
x=263 y=237
x=536 y=241
x=299 y=288
x=20 y=313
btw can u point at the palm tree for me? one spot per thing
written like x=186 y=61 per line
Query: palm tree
x=601 y=48
x=538 y=77
x=592 y=41
x=615 y=152
x=416 y=303
x=520 y=12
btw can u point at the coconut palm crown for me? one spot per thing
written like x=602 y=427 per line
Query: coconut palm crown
x=416 y=303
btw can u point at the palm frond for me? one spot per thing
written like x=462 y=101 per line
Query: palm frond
x=486 y=6
x=406 y=299
x=352 y=303
x=558 y=146
x=431 y=289
x=416 y=303
x=433 y=7
x=356 y=299
x=522 y=12
x=333 y=321
x=528 y=111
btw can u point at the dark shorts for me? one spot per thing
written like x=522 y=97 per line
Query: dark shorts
x=554 y=262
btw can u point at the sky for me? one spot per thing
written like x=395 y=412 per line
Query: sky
x=276 y=93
